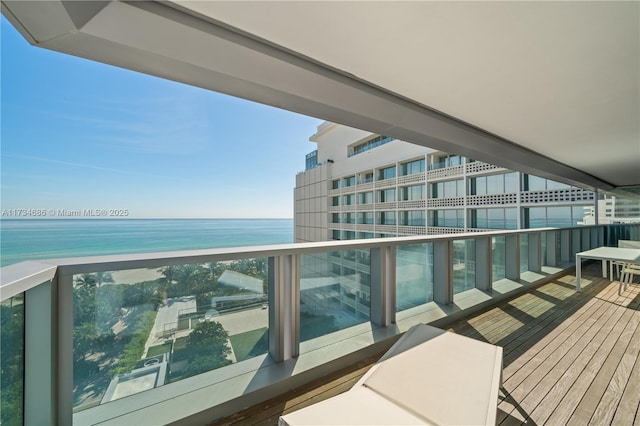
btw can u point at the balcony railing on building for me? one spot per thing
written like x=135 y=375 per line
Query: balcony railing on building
x=194 y=335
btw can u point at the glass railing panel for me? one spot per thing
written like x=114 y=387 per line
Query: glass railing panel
x=498 y=258
x=136 y=330
x=12 y=361
x=334 y=291
x=524 y=252
x=464 y=265
x=414 y=275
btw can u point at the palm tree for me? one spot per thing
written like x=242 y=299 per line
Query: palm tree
x=213 y=271
x=86 y=281
x=167 y=279
x=186 y=275
x=104 y=277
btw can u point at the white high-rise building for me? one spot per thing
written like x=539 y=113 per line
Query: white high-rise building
x=362 y=185
x=613 y=209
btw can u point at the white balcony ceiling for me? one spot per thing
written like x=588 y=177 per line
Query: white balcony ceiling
x=550 y=88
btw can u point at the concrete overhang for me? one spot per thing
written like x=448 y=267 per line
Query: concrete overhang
x=548 y=88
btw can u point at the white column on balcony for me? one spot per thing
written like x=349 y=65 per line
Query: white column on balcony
x=465 y=184
x=383 y=285
x=443 y=271
x=40 y=388
x=565 y=245
x=535 y=252
x=551 y=253
x=284 y=302
x=519 y=215
x=512 y=257
x=483 y=264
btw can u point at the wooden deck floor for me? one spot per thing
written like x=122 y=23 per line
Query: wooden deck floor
x=569 y=358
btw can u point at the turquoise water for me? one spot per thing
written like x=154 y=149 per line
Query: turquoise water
x=49 y=238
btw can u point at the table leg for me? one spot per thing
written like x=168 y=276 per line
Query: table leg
x=578 y=272
x=604 y=268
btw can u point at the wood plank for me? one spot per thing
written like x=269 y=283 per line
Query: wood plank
x=598 y=386
x=515 y=350
x=628 y=349
x=612 y=330
x=565 y=335
x=324 y=388
x=630 y=402
x=532 y=382
x=570 y=402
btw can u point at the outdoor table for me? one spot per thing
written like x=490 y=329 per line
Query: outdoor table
x=606 y=254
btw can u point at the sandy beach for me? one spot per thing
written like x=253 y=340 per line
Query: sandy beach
x=133 y=276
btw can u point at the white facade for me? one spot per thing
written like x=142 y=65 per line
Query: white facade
x=366 y=186
x=612 y=209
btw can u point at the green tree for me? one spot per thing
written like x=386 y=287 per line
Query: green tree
x=133 y=351
x=84 y=338
x=214 y=270
x=167 y=280
x=84 y=299
x=11 y=361
x=207 y=347
x=187 y=276
x=87 y=281
x=104 y=277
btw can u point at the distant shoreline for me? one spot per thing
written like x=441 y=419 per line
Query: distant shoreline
x=33 y=239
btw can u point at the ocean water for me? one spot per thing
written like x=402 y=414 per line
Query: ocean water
x=32 y=239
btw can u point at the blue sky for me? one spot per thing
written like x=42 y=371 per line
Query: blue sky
x=78 y=134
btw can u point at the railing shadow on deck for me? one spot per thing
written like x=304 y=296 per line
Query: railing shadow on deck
x=534 y=328
x=505 y=396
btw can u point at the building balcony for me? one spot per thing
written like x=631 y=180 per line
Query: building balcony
x=412 y=178
x=287 y=321
x=365 y=186
x=565 y=195
x=479 y=167
x=445 y=173
x=445 y=202
x=386 y=183
x=492 y=200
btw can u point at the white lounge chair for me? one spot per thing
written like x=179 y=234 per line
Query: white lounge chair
x=429 y=376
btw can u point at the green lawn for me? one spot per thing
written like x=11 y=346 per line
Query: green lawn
x=181 y=343
x=160 y=349
x=250 y=343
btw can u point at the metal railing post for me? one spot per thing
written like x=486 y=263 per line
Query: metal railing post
x=65 y=348
x=535 y=252
x=484 y=264
x=443 y=271
x=40 y=357
x=552 y=252
x=383 y=284
x=284 y=302
x=512 y=257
